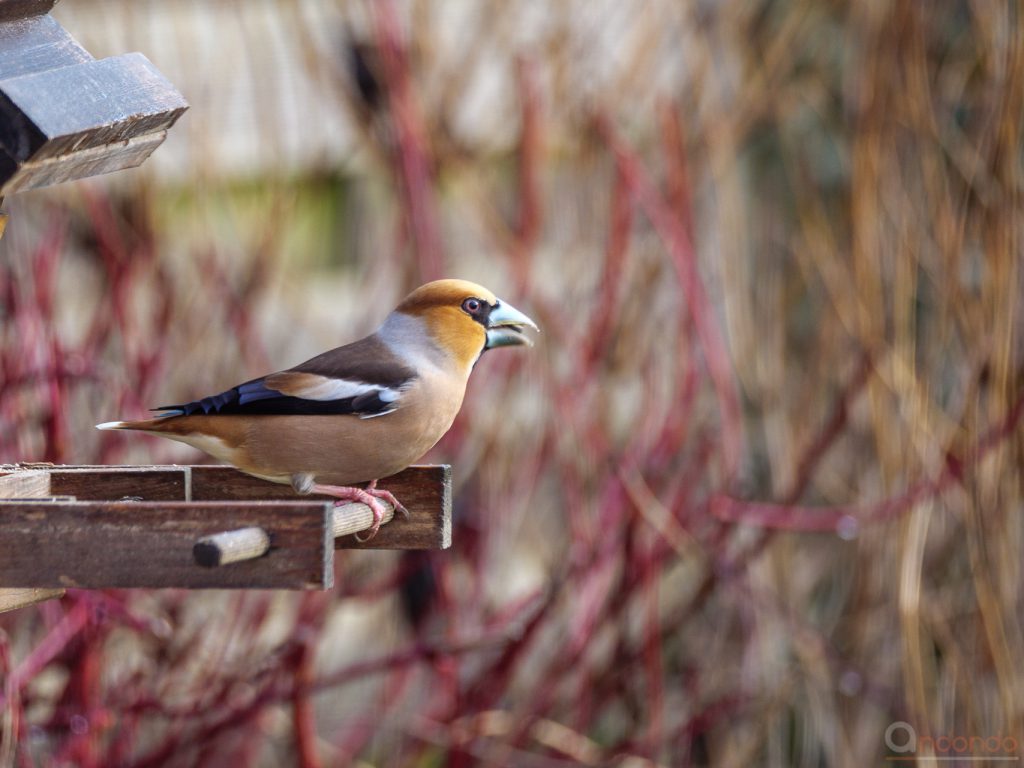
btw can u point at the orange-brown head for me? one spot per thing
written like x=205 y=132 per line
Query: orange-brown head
x=464 y=318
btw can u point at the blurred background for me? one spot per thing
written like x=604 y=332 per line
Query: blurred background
x=754 y=497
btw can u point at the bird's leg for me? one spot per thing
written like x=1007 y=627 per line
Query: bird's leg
x=371 y=497
x=303 y=483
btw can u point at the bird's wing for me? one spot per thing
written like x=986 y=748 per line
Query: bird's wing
x=364 y=378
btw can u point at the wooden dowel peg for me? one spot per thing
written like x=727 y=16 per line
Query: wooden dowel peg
x=250 y=543
x=356 y=517
x=231 y=547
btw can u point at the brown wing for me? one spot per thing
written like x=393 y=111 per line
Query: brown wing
x=363 y=378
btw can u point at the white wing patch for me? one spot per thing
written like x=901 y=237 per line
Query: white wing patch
x=343 y=389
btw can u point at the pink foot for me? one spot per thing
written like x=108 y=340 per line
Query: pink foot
x=371 y=497
x=388 y=496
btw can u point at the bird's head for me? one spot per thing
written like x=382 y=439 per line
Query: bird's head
x=465 y=318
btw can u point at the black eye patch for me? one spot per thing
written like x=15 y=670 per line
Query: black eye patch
x=478 y=309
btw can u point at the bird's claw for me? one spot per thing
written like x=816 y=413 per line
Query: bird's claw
x=378 y=511
x=374 y=497
x=387 y=496
x=371 y=496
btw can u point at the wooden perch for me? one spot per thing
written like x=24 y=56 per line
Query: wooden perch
x=102 y=527
x=350 y=519
x=249 y=543
x=231 y=547
x=65 y=115
x=425 y=491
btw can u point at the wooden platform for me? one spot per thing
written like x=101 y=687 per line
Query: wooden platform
x=138 y=526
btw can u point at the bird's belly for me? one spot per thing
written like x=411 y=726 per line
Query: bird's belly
x=339 y=450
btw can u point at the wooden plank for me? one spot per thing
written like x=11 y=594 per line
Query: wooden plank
x=20 y=500
x=424 y=490
x=116 y=483
x=20 y=598
x=23 y=465
x=25 y=485
x=149 y=544
x=215 y=481
x=36 y=44
x=33 y=173
x=57 y=111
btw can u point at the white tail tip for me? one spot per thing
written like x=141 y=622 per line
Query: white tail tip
x=110 y=425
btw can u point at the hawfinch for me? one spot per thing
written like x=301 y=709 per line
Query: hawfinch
x=359 y=412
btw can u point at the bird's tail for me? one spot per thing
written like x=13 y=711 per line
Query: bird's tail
x=146 y=425
x=116 y=425
x=219 y=436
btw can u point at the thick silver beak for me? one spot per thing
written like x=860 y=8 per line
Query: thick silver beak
x=505 y=327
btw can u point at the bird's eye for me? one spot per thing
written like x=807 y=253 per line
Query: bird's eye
x=471 y=305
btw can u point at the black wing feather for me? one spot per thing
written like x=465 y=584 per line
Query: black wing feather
x=269 y=402
x=368 y=360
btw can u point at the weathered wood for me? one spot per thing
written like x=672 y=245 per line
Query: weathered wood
x=149 y=544
x=65 y=115
x=116 y=483
x=424 y=490
x=100 y=102
x=51 y=499
x=33 y=173
x=25 y=485
x=20 y=598
x=427 y=493
x=98 y=543
x=249 y=543
x=36 y=44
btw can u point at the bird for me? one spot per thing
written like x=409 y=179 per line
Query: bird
x=357 y=413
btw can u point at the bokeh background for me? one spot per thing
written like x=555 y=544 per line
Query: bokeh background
x=755 y=495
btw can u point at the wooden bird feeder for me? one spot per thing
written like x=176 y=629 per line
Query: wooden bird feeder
x=192 y=527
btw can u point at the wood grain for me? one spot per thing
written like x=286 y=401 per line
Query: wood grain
x=20 y=598
x=99 y=542
x=149 y=544
x=117 y=483
x=65 y=115
x=424 y=490
x=36 y=44
x=57 y=111
x=32 y=484
x=25 y=485
x=231 y=547
x=33 y=173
